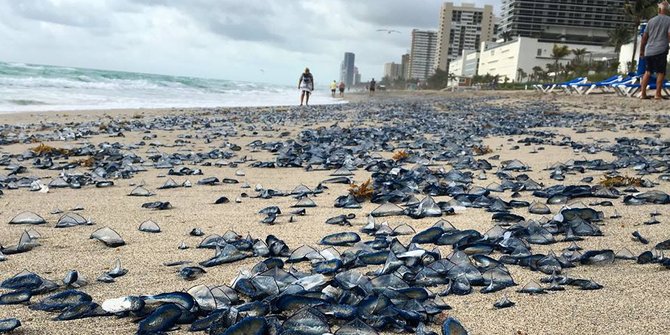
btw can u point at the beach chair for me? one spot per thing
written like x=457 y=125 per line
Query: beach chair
x=625 y=86
x=634 y=89
x=548 y=88
x=605 y=86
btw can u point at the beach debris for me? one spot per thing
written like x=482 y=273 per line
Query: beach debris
x=305 y=202
x=196 y=232
x=539 y=208
x=61 y=301
x=72 y=220
x=637 y=237
x=597 y=257
x=117 y=270
x=191 y=272
x=362 y=192
x=159 y=205
x=8 y=325
x=341 y=239
x=380 y=284
x=208 y=181
x=149 y=227
x=160 y=320
x=665 y=245
x=532 y=287
x=140 y=191
x=74 y=280
x=108 y=236
x=620 y=181
x=503 y=302
x=625 y=254
x=15 y=297
x=27 y=218
x=452 y=326
x=221 y=200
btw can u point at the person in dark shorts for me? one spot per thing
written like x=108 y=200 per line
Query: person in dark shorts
x=306 y=85
x=341 y=87
x=654 y=50
x=373 y=85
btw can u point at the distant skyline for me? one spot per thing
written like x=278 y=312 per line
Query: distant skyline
x=253 y=40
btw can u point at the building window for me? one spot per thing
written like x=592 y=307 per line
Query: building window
x=539 y=52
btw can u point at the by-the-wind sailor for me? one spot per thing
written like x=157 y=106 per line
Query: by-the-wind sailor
x=341 y=239
x=109 y=237
x=149 y=227
x=27 y=218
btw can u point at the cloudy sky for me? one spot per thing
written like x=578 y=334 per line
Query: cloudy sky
x=251 y=40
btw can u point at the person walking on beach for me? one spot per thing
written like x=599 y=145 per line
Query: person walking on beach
x=654 y=49
x=341 y=89
x=306 y=85
x=373 y=83
x=333 y=88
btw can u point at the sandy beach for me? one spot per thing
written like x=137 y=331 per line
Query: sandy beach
x=635 y=298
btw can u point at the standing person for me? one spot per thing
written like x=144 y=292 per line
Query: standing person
x=306 y=85
x=342 y=89
x=373 y=84
x=654 y=49
x=333 y=88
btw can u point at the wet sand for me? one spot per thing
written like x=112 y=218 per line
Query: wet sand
x=635 y=298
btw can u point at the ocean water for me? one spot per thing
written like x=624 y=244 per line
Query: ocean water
x=28 y=87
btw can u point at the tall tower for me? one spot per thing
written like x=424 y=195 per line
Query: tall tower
x=462 y=28
x=404 y=66
x=347 y=69
x=422 y=55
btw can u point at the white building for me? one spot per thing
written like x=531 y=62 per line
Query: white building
x=505 y=59
x=461 y=28
x=464 y=67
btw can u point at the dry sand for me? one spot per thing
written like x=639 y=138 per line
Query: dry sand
x=635 y=298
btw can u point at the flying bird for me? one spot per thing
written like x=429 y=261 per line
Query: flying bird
x=389 y=31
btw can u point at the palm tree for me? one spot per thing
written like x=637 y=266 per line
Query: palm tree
x=579 y=54
x=506 y=35
x=520 y=74
x=638 y=11
x=537 y=73
x=451 y=77
x=558 y=53
x=621 y=35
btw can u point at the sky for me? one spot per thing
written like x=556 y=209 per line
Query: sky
x=268 y=41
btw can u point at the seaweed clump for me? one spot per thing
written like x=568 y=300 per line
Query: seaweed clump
x=400 y=155
x=43 y=150
x=621 y=181
x=481 y=150
x=362 y=191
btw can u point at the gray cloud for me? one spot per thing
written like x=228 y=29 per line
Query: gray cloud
x=65 y=13
x=397 y=13
x=230 y=39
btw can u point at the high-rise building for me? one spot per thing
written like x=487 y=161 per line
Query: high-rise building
x=357 y=76
x=562 y=21
x=404 y=66
x=422 y=55
x=392 y=70
x=347 y=69
x=462 y=28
